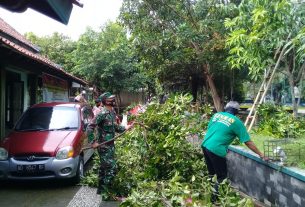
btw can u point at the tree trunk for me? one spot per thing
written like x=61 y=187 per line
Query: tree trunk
x=194 y=85
x=206 y=72
x=119 y=102
x=216 y=99
x=291 y=86
x=291 y=80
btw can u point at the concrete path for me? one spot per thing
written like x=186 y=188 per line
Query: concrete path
x=87 y=197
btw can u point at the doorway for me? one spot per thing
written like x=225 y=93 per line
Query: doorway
x=14 y=96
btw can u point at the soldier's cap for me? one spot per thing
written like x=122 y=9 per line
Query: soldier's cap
x=106 y=95
x=232 y=104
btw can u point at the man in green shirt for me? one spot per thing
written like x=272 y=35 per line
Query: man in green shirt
x=223 y=128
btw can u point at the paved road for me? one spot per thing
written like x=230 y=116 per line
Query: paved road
x=44 y=194
x=49 y=194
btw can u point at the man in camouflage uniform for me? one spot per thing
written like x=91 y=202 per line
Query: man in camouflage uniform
x=105 y=123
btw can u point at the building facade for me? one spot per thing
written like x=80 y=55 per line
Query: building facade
x=26 y=78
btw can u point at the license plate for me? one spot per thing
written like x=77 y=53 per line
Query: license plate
x=30 y=168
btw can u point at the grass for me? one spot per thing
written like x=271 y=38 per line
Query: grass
x=294 y=148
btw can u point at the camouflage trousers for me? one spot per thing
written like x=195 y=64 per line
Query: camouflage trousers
x=107 y=168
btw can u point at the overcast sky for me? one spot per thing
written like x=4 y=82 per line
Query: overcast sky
x=94 y=14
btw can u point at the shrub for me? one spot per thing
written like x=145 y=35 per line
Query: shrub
x=157 y=166
x=275 y=121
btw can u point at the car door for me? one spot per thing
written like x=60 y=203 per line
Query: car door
x=87 y=116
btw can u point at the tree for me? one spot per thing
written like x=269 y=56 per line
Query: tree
x=181 y=39
x=269 y=34
x=56 y=47
x=106 y=60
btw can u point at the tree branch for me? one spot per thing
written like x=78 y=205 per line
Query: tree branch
x=300 y=73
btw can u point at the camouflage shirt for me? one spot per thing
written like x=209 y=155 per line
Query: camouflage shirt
x=105 y=123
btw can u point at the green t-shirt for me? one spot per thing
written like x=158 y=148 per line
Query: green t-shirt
x=222 y=130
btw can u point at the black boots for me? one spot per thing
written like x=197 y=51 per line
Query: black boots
x=98 y=191
x=99 y=188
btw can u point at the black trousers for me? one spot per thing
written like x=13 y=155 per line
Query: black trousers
x=216 y=165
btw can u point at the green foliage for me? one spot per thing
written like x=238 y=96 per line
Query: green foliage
x=256 y=33
x=195 y=193
x=157 y=166
x=107 y=60
x=261 y=29
x=162 y=146
x=91 y=177
x=275 y=121
x=56 y=47
x=268 y=35
x=104 y=58
x=175 y=40
x=196 y=122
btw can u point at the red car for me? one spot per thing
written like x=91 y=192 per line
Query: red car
x=47 y=142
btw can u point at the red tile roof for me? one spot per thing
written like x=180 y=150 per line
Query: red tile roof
x=7 y=29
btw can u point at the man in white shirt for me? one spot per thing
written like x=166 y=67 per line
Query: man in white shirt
x=297 y=95
x=81 y=97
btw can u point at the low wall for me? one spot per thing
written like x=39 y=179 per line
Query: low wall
x=267 y=182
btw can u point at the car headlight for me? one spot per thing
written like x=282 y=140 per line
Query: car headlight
x=64 y=153
x=3 y=154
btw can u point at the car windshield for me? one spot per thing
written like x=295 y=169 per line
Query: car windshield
x=48 y=118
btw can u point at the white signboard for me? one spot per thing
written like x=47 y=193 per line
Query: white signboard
x=51 y=95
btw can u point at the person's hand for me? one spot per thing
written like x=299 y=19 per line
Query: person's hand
x=129 y=126
x=95 y=145
x=263 y=157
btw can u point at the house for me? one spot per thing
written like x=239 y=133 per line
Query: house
x=26 y=77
